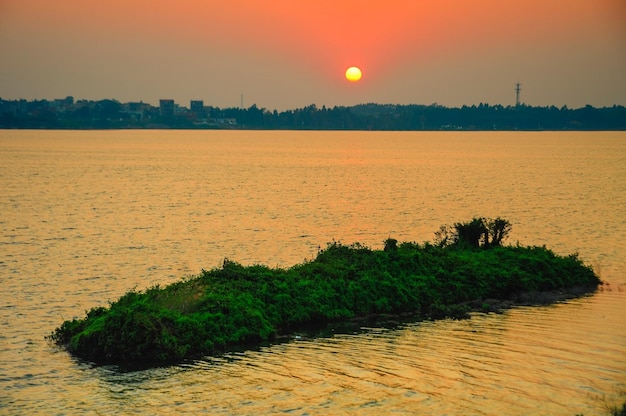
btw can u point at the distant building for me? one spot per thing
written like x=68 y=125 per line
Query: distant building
x=197 y=108
x=166 y=108
x=226 y=121
x=196 y=105
x=61 y=105
x=135 y=111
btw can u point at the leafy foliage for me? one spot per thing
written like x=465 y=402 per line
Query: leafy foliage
x=479 y=232
x=371 y=116
x=237 y=305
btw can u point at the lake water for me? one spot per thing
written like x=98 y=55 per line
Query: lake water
x=87 y=215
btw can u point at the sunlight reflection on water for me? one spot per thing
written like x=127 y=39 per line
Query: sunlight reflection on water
x=90 y=215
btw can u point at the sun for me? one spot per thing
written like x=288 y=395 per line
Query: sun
x=353 y=74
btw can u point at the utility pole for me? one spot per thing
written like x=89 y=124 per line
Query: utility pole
x=517 y=90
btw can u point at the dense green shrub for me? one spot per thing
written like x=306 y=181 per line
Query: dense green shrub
x=236 y=305
x=479 y=232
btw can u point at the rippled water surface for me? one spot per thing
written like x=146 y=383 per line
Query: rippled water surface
x=87 y=215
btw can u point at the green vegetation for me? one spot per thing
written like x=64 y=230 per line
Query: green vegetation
x=238 y=305
x=618 y=411
x=612 y=410
x=112 y=114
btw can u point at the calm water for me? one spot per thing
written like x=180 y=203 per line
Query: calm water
x=86 y=216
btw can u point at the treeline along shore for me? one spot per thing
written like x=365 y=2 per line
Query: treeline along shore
x=466 y=269
x=68 y=113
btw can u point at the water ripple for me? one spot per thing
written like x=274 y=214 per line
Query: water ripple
x=86 y=216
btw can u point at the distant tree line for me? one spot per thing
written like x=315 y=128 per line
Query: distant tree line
x=433 y=117
x=111 y=114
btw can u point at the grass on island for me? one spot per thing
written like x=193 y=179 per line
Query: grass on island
x=617 y=410
x=613 y=409
x=235 y=305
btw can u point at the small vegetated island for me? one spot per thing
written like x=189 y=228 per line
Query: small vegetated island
x=466 y=269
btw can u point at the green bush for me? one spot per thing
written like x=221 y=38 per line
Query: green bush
x=237 y=305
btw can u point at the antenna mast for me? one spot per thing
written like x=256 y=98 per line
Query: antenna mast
x=517 y=90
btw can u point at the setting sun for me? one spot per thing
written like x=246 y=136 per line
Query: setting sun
x=353 y=74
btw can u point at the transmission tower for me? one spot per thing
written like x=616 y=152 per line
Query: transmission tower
x=517 y=90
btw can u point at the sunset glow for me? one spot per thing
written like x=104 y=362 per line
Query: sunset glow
x=285 y=54
x=353 y=74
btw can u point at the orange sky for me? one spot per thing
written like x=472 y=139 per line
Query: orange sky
x=285 y=54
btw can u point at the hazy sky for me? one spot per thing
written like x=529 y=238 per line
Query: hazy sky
x=283 y=54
